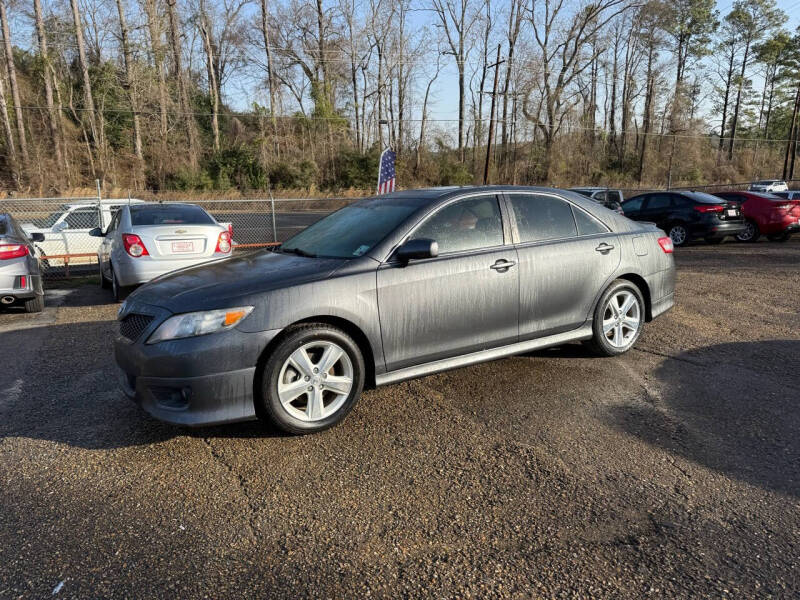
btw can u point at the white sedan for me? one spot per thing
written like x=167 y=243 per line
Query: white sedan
x=146 y=240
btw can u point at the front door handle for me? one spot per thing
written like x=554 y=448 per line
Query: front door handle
x=604 y=248
x=502 y=265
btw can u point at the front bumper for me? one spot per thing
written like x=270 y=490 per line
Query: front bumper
x=203 y=380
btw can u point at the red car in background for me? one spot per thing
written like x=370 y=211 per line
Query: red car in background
x=775 y=217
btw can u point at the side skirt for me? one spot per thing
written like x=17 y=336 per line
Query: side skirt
x=582 y=333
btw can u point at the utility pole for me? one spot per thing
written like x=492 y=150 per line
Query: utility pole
x=496 y=66
x=791 y=144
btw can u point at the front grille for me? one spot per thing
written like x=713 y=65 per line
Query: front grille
x=133 y=325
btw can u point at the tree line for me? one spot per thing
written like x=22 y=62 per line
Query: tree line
x=257 y=94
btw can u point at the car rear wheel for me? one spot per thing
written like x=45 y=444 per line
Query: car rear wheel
x=311 y=380
x=779 y=237
x=751 y=232
x=679 y=235
x=35 y=304
x=618 y=319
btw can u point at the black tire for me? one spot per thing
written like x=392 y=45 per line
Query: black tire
x=119 y=292
x=679 y=234
x=751 y=234
x=599 y=344
x=104 y=283
x=779 y=237
x=714 y=241
x=268 y=404
x=35 y=304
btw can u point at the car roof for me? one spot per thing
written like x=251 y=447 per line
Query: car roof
x=426 y=196
x=119 y=202
x=146 y=205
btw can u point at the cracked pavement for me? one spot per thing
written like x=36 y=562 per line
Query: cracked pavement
x=673 y=470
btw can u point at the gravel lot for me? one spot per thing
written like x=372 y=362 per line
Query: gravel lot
x=671 y=471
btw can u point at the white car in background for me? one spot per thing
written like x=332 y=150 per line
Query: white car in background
x=145 y=240
x=768 y=186
x=66 y=231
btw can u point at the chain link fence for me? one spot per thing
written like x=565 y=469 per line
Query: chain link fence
x=68 y=250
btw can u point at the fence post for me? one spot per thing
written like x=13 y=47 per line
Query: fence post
x=272 y=205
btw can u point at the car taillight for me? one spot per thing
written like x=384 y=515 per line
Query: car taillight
x=134 y=245
x=223 y=243
x=709 y=208
x=230 y=230
x=12 y=251
x=666 y=244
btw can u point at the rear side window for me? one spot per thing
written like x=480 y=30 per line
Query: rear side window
x=4 y=228
x=587 y=225
x=465 y=225
x=542 y=217
x=659 y=201
x=166 y=214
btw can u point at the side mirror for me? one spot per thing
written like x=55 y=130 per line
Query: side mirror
x=59 y=227
x=417 y=249
x=96 y=232
x=37 y=237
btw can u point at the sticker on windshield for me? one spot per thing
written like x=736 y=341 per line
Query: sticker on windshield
x=360 y=250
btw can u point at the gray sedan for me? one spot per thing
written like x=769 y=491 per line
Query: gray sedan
x=20 y=277
x=387 y=289
x=146 y=240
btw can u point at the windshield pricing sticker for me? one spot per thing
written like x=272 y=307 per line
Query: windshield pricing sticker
x=360 y=250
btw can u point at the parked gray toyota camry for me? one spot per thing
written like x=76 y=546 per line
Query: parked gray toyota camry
x=387 y=289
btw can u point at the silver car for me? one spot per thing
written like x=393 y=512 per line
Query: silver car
x=20 y=278
x=146 y=240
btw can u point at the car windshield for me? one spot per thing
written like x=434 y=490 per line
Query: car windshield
x=704 y=198
x=352 y=231
x=169 y=214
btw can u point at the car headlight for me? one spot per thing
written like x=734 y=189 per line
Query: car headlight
x=199 y=323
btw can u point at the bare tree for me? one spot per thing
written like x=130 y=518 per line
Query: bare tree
x=12 y=78
x=88 y=100
x=129 y=83
x=183 y=95
x=47 y=79
x=456 y=18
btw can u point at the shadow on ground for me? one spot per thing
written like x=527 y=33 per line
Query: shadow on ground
x=732 y=408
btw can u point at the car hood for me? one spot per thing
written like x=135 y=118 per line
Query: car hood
x=221 y=283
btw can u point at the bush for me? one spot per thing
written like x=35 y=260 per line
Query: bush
x=238 y=167
x=290 y=175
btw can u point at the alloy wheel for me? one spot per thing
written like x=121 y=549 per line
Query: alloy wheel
x=748 y=233
x=678 y=235
x=622 y=319
x=315 y=381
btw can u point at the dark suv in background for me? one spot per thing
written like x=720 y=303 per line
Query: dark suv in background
x=687 y=215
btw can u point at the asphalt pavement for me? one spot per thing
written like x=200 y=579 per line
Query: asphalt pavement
x=671 y=471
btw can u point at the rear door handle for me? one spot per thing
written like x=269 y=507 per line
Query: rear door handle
x=502 y=265
x=604 y=248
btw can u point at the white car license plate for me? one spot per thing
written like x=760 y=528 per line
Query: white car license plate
x=732 y=212
x=182 y=247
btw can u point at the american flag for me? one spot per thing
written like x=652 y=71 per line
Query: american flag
x=386 y=175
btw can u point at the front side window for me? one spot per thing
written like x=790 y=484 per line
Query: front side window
x=542 y=218
x=633 y=205
x=465 y=225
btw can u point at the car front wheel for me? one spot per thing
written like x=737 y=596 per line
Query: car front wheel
x=618 y=319
x=311 y=380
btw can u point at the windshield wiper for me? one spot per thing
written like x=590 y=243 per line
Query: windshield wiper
x=299 y=252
